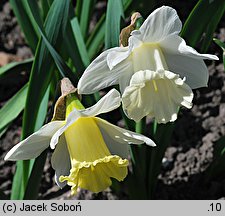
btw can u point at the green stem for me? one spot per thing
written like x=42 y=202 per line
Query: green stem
x=72 y=102
x=162 y=136
x=140 y=127
x=138 y=175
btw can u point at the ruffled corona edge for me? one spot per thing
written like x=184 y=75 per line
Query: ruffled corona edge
x=95 y=176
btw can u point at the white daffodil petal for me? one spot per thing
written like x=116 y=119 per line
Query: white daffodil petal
x=133 y=104
x=160 y=24
x=193 y=69
x=134 y=40
x=60 y=161
x=186 y=61
x=72 y=117
x=98 y=74
x=109 y=102
x=177 y=45
x=115 y=147
x=121 y=135
x=36 y=143
x=117 y=55
x=124 y=81
x=157 y=94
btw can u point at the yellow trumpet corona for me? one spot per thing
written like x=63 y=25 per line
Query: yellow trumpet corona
x=92 y=163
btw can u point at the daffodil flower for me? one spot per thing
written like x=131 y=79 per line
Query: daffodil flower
x=155 y=72
x=88 y=150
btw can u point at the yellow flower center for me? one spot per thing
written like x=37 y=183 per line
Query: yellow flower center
x=92 y=163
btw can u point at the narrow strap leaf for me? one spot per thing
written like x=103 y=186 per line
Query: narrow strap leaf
x=13 y=107
x=199 y=18
x=113 y=15
x=22 y=12
x=15 y=67
x=86 y=11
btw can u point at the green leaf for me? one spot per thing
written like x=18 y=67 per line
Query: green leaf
x=42 y=111
x=31 y=192
x=96 y=39
x=26 y=21
x=18 y=181
x=13 y=107
x=61 y=65
x=203 y=19
x=71 y=47
x=142 y=6
x=220 y=44
x=86 y=11
x=35 y=13
x=14 y=68
x=78 y=8
x=113 y=15
x=45 y=6
x=211 y=28
x=79 y=40
x=127 y=4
